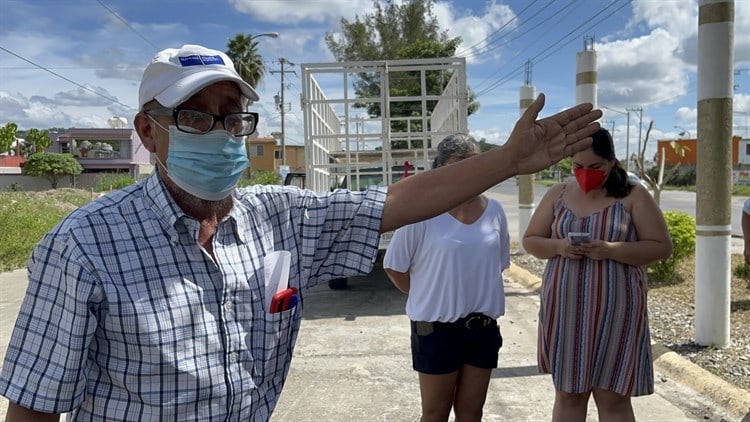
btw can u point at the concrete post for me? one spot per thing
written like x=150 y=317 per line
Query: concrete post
x=526 y=204
x=714 y=172
x=586 y=74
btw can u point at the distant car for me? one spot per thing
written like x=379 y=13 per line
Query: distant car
x=635 y=179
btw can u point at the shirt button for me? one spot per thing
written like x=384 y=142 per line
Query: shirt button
x=228 y=305
x=233 y=357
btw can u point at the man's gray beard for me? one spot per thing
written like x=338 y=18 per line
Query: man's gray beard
x=198 y=208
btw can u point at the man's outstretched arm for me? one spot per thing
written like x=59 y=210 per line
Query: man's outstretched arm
x=533 y=145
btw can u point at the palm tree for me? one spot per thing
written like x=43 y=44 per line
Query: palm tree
x=243 y=50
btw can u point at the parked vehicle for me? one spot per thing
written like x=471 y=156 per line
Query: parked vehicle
x=397 y=135
x=635 y=179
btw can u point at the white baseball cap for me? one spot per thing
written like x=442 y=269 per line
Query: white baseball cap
x=175 y=75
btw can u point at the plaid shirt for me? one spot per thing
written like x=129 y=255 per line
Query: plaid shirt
x=126 y=317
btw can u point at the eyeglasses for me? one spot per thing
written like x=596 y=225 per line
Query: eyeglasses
x=195 y=121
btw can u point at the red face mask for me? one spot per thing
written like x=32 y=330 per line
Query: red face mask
x=590 y=179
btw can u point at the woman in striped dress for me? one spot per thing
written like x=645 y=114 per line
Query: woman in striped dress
x=593 y=322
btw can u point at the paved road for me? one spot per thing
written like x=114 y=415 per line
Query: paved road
x=352 y=361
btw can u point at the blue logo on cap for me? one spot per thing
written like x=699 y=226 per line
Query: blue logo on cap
x=198 y=60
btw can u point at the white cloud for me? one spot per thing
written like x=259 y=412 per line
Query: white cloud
x=686 y=115
x=640 y=71
x=742 y=103
x=291 y=12
x=475 y=31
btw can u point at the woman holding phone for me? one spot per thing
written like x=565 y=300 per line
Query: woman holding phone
x=593 y=323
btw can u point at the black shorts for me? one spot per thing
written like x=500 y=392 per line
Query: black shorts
x=439 y=348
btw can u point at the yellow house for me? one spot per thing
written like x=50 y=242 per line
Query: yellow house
x=261 y=152
x=265 y=154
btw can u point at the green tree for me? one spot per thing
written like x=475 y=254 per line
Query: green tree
x=52 y=165
x=485 y=146
x=39 y=138
x=8 y=134
x=406 y=31
x=243 y=50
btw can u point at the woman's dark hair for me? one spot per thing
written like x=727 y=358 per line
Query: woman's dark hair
x=617 y=184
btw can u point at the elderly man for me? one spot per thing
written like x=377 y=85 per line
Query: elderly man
x=156 y=302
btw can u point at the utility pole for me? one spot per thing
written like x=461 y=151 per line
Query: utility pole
x=526 y=204
x=639 y=112
x=713 y=199
x=282 y=106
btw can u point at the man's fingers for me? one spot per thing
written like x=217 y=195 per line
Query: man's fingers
x=583 y=122
x=532 y=111
x=571 y=114
x=577 y=145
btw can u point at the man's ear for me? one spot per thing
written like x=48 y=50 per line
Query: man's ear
x=144 y=127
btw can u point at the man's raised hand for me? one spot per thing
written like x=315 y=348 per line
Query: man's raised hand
x=540 y=143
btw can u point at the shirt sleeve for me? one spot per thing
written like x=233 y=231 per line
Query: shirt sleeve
x=339 y=233
x=45 y=364
x=746 y=206
x=402 y=248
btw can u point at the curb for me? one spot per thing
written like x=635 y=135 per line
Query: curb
x=735 y=400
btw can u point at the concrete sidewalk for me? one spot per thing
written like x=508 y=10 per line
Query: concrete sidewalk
x=352 y=362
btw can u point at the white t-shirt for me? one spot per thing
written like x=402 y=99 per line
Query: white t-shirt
x=454 y=268
x=746 y=206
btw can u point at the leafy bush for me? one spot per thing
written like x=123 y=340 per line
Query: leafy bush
x=113 y=181
x=742 y=270
x=52 y=166
x=684 y=175
x=261 y=177
x=681 y=228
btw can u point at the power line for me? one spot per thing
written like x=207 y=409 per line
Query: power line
x=510 y=74
x=487 y=39
x=66 y=79
x=536 y=39
x=121 y=19
x=508 y=40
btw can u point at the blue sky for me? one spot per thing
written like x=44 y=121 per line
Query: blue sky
x=646 y=54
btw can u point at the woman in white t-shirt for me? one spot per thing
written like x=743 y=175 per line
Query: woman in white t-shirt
x=451 y=267
x=746 y=229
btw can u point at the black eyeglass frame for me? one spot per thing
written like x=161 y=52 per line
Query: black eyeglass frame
x=174 y=112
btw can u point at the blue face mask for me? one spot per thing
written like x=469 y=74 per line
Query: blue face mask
x=208 y=165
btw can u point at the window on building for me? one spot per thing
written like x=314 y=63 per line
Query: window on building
x=277 y=155
x=65 y=147
x=256 y=150
x=747 y=149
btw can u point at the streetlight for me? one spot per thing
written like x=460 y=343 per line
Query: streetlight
x=684 y=132
x=266 y=34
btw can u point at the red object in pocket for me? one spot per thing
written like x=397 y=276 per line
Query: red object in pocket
x=284 y=300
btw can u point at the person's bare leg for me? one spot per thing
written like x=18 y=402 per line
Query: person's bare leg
x=471 y=393
x=437 y=393
x=613 y=407
x=570 y=407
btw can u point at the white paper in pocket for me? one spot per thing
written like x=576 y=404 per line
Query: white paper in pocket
x=276 y=272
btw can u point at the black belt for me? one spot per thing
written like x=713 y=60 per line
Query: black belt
x=473 y=321
x=477 y=321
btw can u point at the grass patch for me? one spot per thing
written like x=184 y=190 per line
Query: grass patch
x=26 y=216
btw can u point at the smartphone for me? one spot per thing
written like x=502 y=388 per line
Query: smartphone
x=576 y=238
x=283 y=300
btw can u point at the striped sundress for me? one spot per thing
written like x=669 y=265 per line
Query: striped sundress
x=593 y=322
